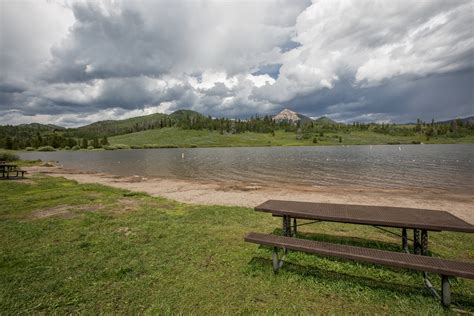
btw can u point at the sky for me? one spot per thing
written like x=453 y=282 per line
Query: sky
x=71 y=63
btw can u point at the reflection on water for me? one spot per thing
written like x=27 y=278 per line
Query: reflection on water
x=435 y=166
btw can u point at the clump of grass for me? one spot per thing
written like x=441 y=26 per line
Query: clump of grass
x=46 y=148
x=30 y=149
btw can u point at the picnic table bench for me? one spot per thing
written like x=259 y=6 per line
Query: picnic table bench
x=377 y=216
x=7 y=170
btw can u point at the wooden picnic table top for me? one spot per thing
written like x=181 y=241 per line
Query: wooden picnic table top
x=400 y=217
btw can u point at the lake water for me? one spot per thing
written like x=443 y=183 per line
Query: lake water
x=434 y=166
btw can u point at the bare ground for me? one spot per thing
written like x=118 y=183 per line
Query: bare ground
x=249 y=194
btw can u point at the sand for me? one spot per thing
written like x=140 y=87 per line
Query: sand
x=249 y=194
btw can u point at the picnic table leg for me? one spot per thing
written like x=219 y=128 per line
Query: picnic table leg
x=294 y=227
x=424 y=242
x=445 y=290
x=416 y=242
x=286 y=225
x=405 y=240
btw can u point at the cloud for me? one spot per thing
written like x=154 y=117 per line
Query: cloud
x=79 y=61
x=373 y=41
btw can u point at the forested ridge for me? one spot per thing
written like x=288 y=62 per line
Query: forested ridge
x=34 y=136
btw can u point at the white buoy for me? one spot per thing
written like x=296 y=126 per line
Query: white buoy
x=182 y=155
x=399 y=148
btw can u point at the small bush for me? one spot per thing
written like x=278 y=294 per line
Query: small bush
x=121 y=146
x=67 y=148
x=76 y=147
x=114 y=147
x=151 y=146
x=46 y=148
x=30 y=149
x=5 y=156
x=90 y=147
x=315 y=140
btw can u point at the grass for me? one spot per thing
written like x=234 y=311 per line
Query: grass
x=176 y=137
x=85 y=248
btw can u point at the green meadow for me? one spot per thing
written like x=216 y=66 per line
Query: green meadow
x=177 y=137
x=69 y=248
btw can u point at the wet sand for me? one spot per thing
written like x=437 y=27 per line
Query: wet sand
x=249 y=194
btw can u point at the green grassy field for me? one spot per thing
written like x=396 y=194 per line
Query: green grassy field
x=175 y=137
x=76 y=248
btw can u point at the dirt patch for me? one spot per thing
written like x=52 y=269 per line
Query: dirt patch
x=126 y=231
x=64 y=211
x=61 y=211
x=127 y=205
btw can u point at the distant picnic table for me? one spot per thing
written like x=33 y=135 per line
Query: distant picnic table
x=419 y=220
x=9 y=171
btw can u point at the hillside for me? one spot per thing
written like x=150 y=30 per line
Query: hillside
x=188 y=128
x=117 y=127
x=177 y=137
x=323 y=120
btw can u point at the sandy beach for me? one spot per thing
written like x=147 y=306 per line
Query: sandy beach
x=249 y=194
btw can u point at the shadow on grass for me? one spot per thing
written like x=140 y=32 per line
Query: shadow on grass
x=459 y=300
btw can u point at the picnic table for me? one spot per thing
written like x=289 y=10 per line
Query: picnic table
x=7 y=169
x=421 y=221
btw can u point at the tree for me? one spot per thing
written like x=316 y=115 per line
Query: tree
x=8 y=143
x=95 y=143
x=104 y=141
x=84 y=143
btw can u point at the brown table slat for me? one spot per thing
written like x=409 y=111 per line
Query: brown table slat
x=400 y=217
x=387 y=258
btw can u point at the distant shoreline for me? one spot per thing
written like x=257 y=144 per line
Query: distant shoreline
x=240 y=146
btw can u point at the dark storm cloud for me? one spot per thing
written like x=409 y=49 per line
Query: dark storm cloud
x=402 y=100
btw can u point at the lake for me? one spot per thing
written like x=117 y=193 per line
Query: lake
x=383 y=166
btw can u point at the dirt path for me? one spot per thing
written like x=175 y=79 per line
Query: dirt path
x=250 y=194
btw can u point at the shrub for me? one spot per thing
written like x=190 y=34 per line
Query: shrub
x=67 y=148
x=46 y=148
x=29 y=149
x=315 y=140
x=117 y=146
x=151 y=146
x=76 y=147
x=5 y=156
x=90 y=147
x=121 y=146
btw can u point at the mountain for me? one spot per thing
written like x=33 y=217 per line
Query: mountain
x=117 y=127
x=181 y=115
x=469 y=120
x=290 y=116
x=42 y=127
x=323 y=120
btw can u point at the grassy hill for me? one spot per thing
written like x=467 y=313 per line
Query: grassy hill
x=176 y=137
x=117 y=127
